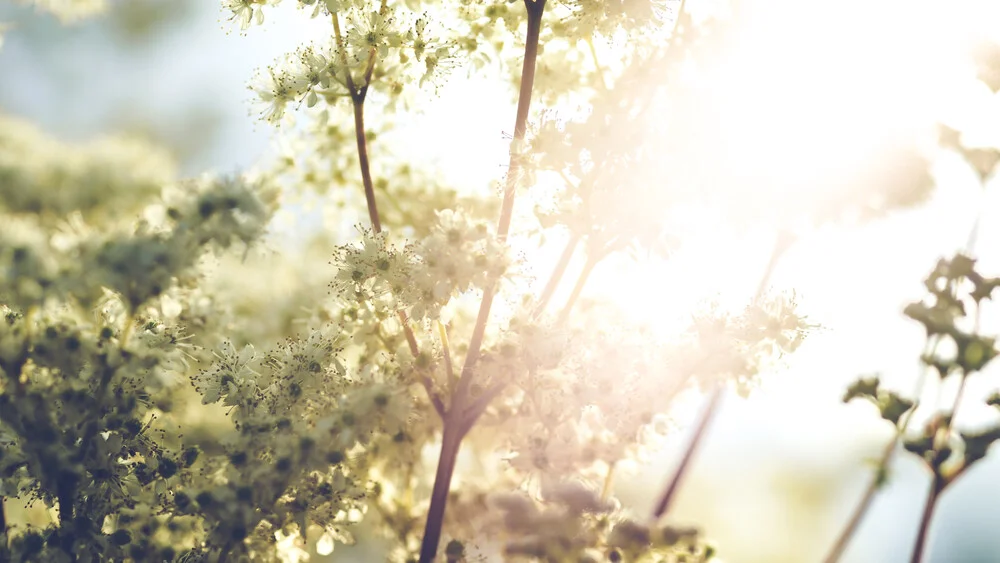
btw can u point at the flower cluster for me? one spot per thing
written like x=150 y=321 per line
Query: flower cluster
x=571 y=522
x=458 y=255
x=49 y=179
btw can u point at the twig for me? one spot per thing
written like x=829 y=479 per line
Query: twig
x=597 y=63
x=446 y=350
x=358 y=101
x=478 y=407
x=938 y=481
x=843 y=540
x=672 y=487
x=557 y=274
x=837 y=551
x=781 y=244
x=342 y=47
x=588 y=267
x=456 y=423
x=937 y=485
x=535 y=9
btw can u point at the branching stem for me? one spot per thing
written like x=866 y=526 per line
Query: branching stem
x=457 y=422
x=358 y=102
x=782 y=242
x=844 y=539
x=535 y=9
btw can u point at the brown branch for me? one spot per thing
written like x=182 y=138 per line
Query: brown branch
x=478 y=407
x=933 y=494
x=673 y=486
x=358 y=100
x=450 y=442
x=535 y=9
x=782 y=243
x=449 y=369
x=837 y=551
x=411 y=340
x=433 y=395
x=455 y=422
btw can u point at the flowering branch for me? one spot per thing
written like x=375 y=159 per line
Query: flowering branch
x=456 y=421
x=357 y=101
x=535 y=9
x=837 y=551
x=781 y=244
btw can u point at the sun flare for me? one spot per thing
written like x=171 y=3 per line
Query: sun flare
x=803 y=107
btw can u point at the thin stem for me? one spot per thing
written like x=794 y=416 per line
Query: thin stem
x=358 y=101
x=478 y=407
x=674 y=485
x=954 y=406
x=837 y=551
x=457 y=423
x=535 y=9
x=939 y=481
x=781 y=244
x=597 y=63
x=411 y=340
x=450 y=442
x=366 y=175
x=126 y=331
x=938 y=484
x=933 y=494
x=342 y=47
x=609 y=481
x=866 y=500
x=581 y=281
x=557 y=274
x=446 y=350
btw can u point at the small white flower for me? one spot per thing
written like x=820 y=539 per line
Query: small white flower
x=372 y=31
x=245 y=11
x=275 y=91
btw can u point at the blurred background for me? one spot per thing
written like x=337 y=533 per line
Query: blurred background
x=779 y=472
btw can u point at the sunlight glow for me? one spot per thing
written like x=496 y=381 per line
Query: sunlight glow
x=806 y=99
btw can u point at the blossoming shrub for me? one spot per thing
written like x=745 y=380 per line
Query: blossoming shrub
x=173 y=390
